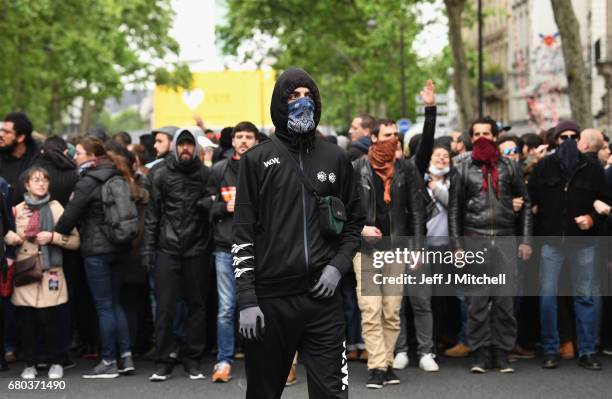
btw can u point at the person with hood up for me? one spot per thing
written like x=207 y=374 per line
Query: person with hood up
x=175 y=245
x=286 y=271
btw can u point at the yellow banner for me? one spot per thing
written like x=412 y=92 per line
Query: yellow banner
x=220 y=98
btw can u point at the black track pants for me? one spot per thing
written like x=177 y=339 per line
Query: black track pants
x=315 y=329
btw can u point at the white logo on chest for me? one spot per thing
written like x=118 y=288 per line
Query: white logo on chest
x=322 y=176
x=272 y=162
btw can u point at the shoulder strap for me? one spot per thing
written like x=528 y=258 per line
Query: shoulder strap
x=295 y=166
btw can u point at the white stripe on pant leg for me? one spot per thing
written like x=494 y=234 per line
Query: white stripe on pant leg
x=344 y=368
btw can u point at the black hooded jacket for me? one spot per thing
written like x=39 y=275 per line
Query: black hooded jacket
x=85 y=211
x=63 y=174
x=176 y=219
x=278 y=249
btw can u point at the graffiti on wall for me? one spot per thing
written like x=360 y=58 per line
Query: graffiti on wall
x=547 y=58
x=537 y=78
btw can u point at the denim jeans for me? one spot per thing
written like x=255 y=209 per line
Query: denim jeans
x=582 y=265
x=352 y=314
x=226 y=290
x=104 y=276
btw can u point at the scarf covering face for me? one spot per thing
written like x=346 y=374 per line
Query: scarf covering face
x=301 y=116
x=42 y=220
x=382 y=158
x=568 y=155
x=485 y=152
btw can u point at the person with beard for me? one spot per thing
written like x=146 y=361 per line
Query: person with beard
x=390 y=206
x=18 y=151
x=481 y=208
x=222 y=185
x=563 y=187
x=175 y=245
x=287 y=268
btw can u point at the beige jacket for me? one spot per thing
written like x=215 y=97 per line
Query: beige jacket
x=37 y=294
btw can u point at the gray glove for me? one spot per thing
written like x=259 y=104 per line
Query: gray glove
x=326 y=286
x=249 y=326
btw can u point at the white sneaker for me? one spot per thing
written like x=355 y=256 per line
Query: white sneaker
x=428 y=363
x=56 y=372
x=29 y=373
x=401 y=361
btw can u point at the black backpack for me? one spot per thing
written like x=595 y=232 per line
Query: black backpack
x=120 y=211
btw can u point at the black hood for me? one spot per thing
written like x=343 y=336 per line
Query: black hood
x=57 y=159
x=285 y=84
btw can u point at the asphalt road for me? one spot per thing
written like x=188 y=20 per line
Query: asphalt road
x=453 y=381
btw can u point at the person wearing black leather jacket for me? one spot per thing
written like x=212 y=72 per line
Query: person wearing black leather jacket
x=388 y=194
x=286 y=271
x=176 y=239
x=481 y=208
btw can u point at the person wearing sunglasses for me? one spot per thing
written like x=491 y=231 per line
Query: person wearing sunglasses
x=509 y=147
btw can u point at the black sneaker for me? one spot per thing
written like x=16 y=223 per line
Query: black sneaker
x=194 y=373
x=103 y=370
x=126 y=365
x=68 y=364
x=589 y=362
x=500 y=361
x=376 y=379
x=481 y=361
x=550 y=361
x=162 y=373
x=391 y=378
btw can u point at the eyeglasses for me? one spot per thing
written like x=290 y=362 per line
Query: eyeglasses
x=514 y=150
x=37 y=180
x=564 y=137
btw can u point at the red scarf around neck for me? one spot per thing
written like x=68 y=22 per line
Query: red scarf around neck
x=382 y=157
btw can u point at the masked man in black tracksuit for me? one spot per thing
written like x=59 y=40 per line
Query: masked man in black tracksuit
x=176 y=239
x=286 y=271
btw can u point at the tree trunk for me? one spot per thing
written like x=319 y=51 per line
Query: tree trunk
x=579 y=93
x=87 y=111
x=461 y=77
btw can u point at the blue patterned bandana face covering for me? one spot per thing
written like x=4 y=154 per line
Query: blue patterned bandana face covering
x=301 y=116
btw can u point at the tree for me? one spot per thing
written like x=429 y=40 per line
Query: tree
x=461 y=76
x=351 y=47
x=57 y=54
x=579 y=92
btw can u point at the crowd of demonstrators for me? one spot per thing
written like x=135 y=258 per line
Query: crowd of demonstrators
x=135 y=245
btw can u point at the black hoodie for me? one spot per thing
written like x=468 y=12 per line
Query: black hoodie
x=278 y=249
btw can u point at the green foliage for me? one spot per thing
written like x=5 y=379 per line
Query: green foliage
x=128 y=120
x=57 y=51
x=350 y=47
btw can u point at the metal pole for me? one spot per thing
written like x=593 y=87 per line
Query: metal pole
x=480 y=63
x=403 y=72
